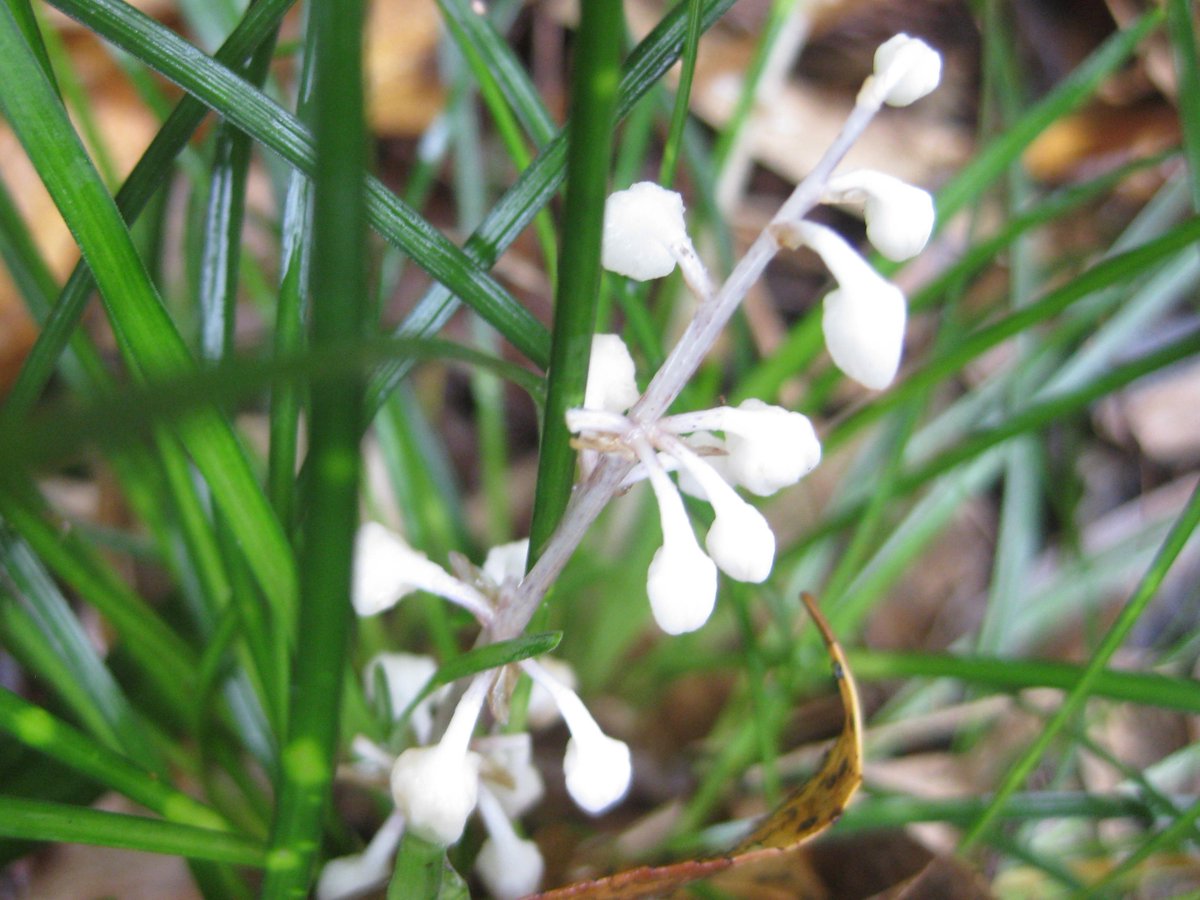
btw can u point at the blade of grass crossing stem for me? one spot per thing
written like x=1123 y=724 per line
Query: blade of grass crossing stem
x=683 y=95
x=39 y=730
x=1181 y=28
x=40 y=821
x=1177 y=538
x=537 y=184
x=338 y=313
x=151 y=345
x=276 y=128
x=147 y=176
x=594 y=82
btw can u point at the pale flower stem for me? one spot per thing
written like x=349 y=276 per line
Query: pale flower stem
x=591 y=496
x=457 y=737
x=579 y=721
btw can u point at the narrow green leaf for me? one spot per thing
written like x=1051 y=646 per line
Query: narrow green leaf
x=147 y=337
x=422 y=870
x=39 y=821
x=1180 y=27
x=594 y=83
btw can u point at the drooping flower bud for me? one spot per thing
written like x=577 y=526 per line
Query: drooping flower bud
x=643 y=231
x=899 y=216
x=682 y=581
x=598 y=768
x=906 y=69
x=864 y=318
x=436 y=788
x=542 y=711
x=509 y=866
x=740 y=541
x=386 y=569
x=361 y=873
x=612 y=376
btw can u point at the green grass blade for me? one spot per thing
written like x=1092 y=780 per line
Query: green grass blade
x=1178 y=537
x=275 y=128
x=339 y=307
x=683 y=96
x=1007 y=674
x=516 y=209
x=1187 y=89
x=39 y=730
x=594 y=84
x=40 y=821
x=147 y=337
x=147 y=176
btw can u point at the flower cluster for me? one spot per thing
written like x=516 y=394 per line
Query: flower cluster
x=764 y=449
x=437 y=785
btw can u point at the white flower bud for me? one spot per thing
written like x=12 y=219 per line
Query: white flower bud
x=510 y=773
x=362 y=873
x=643 y=227
x=405 y=674
x=769 y=447
x=682 y=586
x=740 y=541
x=598 y=768
x=435 y=788
x=379 y=580
x=864 y=318
x=505 y=564
x=509 y=866
x=612 y=376
x=386 y=568
x=899 y=216
x=906 y=69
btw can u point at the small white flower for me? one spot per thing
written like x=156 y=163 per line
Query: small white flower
x=598 y=768
x=682 y=581
x=612 y=376
x=386 y=569
x=405 y=675
x=899 y=216
x=740 y=541
x=360 y=873
x=436 y=788
x=644 y=231
x=510 y=773
x=864 y=318
x=906 y=69
x=505 y=563
x=509 y=865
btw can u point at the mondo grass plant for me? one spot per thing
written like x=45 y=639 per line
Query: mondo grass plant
x=335 y=642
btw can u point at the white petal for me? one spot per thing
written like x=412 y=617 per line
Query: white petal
x=506 y=562
x=865 y=333
x=598 y=770
x=612 y=376
x=769 y=447
x=379 y=581
x=641 y=225
x=906 y=68
x=682 y=586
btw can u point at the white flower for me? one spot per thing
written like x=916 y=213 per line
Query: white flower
x=510 y=773
x=542 y=711
x=906 y=69
x=598 y=768
x=436 y=788
x=386 y=569
x=899 y=216
x=612 y=376
x=864 y=318
x=405 y=675
x=682 y=580
x=644 y=231
x=509 y=866
x=505 y=563
x=361 y=873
